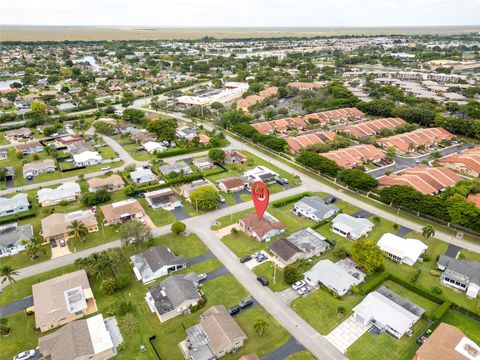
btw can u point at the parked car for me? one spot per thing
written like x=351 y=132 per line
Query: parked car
x=234 y=310
x=417 y=161
x=25 y=355
x=53 y=243
x=105 y=168
x=257 y=253
x=330 y=200
x=303 y=290
x=262 y=280
x=62 y=242
x=246 y=302
x=202 y=277
x=245 y=259
x=222 y=199
x=261 y=258
x=299 y=284
x=280 y=182
x=285 y=180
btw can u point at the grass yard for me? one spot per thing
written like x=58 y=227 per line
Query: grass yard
x=419 y=300
x=22 y=259
x=469 y=326
x=160 y=217
x=301 y=355
x=89 y=169
x=242 y=245
x=267 y=269
x=319 y=309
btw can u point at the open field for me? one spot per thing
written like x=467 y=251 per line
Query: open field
x=59 y=33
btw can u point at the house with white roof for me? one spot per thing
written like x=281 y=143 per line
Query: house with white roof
x=406 y=251
x=338 y=277
x=142 y=176
x=87 y=158
x=66 y=192
x=152 y=147
x=14 y=205
x=351 y=227
x=388 y=312
x=260 y=173
x=314 y=208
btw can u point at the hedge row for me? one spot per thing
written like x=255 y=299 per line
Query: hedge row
x=20 y=216
x=320 y=223
x=168 y=183
x=372 y=284
x=290 y=199
x=179 y=151
x=439 y=312
x=419 y=291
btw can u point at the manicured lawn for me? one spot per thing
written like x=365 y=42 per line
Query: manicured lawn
x=137 y=155
x=319 y=309
x=260 y=162
x=89 y=169
x=426 y=304
x=22 y=259
x=469 y=326
x=385 y=346
x=23 y=335
x=301 y=355
x=267 y=269
x=160 y=217
x=242 y=245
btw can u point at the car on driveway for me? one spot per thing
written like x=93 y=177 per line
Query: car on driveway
x=53 y=243
x=262 y=280
x=261 y=258
x=303 y=290
x=25 y=355
x=330 y=200
x=299 y=284
x=62 y=242
x=202 y=277
x=246 y=302
x=105 y=168
x=245 y=259
x=234 y=310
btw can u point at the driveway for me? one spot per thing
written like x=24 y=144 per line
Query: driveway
x=16 y=306
x=345 y=334
x=290 y=347
x=216 y=273
x=198 y=259
x=403 y=231
x=363 y=214
x=227 y=230
x=58 y=251
x=287 y=295
x=236 y=195
x=453 y=251
x=180 y=214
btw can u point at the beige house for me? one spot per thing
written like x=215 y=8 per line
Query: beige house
x=187 y=189
x=56 y=226
x=119 y=212
x=216 y=335
x=22 y=133
x=61 y=300
x=111 y=183
x=80 y=340
x=38 y=167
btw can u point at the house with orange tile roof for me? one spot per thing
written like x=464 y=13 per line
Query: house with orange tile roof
x=372 y=127
x=355 y=156
x=297 y=143
x=261 y=229
x=409 y=142
x=475 y=198
x=244 y=104
x=427 y=180
x=466 y=162
x=305 y=85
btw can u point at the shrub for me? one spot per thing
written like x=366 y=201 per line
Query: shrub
x=375 y=282
x=126 y=307
x=178 y=227
x=426 y=257
x=123 y=281
x=290 y=199
x=437 y=290
x=435 y=273
x=438 y=313
x=415 y=276
x=291 y=274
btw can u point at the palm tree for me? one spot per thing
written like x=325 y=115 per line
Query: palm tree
x=428 y=231
x=77 y=229
x=8 y=273
x=260 y=326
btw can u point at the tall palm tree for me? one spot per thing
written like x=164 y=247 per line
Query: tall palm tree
x=8 y=273
x=77 y=229
x=428 y=231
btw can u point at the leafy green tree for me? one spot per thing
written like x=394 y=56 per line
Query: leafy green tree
x=134 y=232
x=38 y=106
x=33 y=249
x=318 y=163
x=108 y=286
x=217 y=155
x=165 y=129
x=178 y=227
x=3 y=173
x=428 y=231
x=368 y=256
x=205 y=198
x=4 y=327
x=291 y=274
x=97 y=197
x=260 y=326
x=357 y=179
x=134 y=116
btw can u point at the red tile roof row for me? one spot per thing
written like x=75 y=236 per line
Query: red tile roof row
x=296 y=143
x=354 y=156
x=372 y=127
x=404 y=142
x=468 y=161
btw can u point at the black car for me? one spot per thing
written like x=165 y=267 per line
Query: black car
x=53 y=243
x=234 y=310
x=245 y=259
x=262 y=280
x=246 y=302
x=330 y=200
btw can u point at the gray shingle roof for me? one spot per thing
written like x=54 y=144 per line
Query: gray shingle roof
x=462 y=270
x=316 y=205
x=13 y=234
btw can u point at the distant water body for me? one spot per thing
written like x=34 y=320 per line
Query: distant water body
x=60 y=33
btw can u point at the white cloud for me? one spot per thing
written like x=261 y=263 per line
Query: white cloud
x=241 y=13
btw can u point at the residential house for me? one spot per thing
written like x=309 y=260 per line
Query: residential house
x=351 y=227
x=56 y=226
x=475 y=198
x=14 y=205
x=314 y=208
x=234 y=157
x=405 y=251
x=13 y=238
x=187 y=189
x=69 y=191
x=16 y=134
x=64 y=141
x=204 y=163
x=338 y=277
x=216 y=335
x=152 y=147
x=372 y=127
x=305 y=85
x=354 y=156
x=173 y=296
x=261 y=229
x=121 y=211
x=186 y=132
x=260 y=173
x=94 y=338
x=35 y=168
x=87 y=158
x=303 y=244
x=463 y=275
x=447 y=342
x=303 y=141
x=409 y=142
x=388 y=312
x=112 y=183
x=30 y=147
x=466 y=162
x=165 y=199
x=142 y=176
x=155 y=262
x=246 y=103
x=232 y=184
x=177 y=167
x=425 y=179
x=62 y=299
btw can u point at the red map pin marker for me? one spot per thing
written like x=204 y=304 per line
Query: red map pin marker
x=260 y=196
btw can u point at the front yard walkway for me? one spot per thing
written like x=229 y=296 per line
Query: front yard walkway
x=227 y=230
x=346 y=334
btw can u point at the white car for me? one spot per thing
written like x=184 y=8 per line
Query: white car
x=202 y=277
x=25 y=355
x=298 y=285
x=105 y=168
x=303 y=290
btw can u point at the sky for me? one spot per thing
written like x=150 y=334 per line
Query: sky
x=243 y=13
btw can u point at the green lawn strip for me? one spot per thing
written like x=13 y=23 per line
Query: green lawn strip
x=22 y=259
x=427 y=305
x=89 y=169
x=385 y=346
x=469 y=255
x=319 y=309
x=23 y=335
x=267 y=269
x=469 y=326
x=243 y=245
x=301 y=355
x=160 y=217
x=141 y=155
x=107 y=152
